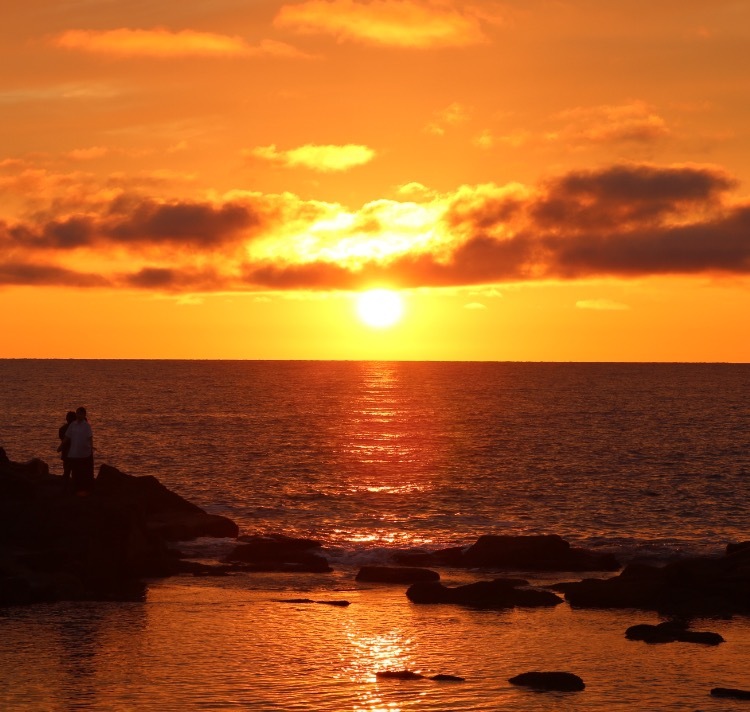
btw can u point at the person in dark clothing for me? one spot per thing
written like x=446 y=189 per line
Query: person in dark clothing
x=80 y=439
x=63 y=450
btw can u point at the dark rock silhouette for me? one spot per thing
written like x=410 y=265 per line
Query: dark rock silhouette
x=442 y=677
x=337 y=603
x=398 y=675
x=500 y=593
x=55 y=547
x=548 y=552
x=730 y=693
x=718 y=585
x=168 y=514
x=396 y=574
x=279 y=553
x=671 y=632
x=559 y=681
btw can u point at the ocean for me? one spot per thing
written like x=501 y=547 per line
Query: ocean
x=647 y=461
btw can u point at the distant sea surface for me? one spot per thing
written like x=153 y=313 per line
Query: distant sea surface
x=648 y=461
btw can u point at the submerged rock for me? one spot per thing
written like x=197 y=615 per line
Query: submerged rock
x=442 y=677
x=396 y=574
x=557 y=681
x=671 y=632
x=340 y=604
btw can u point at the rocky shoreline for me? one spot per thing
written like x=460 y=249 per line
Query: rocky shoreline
x=105 y=546
x=56 y=546
x=102 y=546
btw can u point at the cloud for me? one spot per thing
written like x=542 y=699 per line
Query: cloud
x=621 y=221
x=325 y=159
x=398 y=23
x=475 y=306
x=59 y=92
x=634 y=122
x=601 y=305
x=164 y=43
x=133 y=221
x=452 y=115
x=38 y=275
x=88 y=154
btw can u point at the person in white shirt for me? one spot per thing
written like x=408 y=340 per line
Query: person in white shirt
x=80 y=441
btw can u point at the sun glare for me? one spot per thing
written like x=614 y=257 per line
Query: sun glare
x=380 y=308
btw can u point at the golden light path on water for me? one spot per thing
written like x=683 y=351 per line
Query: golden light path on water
x=386 y=458
x=238 y=643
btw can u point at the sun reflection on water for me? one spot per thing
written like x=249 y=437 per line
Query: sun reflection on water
x=368 y=654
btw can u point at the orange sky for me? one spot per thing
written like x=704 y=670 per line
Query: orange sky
x=542 y=180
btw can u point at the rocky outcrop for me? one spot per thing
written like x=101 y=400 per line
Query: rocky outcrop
x=690 y=587
x=166 y=513
x=101 y=546
x=548 y=552
x=553 y=681
x=671 y=632
x=396 y=574
x=500 y=593
x=731 y=693
x=279 y=553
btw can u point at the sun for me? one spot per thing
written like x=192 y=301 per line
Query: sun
x=380 y=308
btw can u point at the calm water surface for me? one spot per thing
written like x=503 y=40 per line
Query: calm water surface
x=644 y=460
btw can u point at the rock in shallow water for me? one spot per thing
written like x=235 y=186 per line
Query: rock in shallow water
x=500 y=593
x=730 y=693
x=671 y=632
x=279 y=553
x=547 y=552
x=693 y=587
x=398 y=675
x=553 y=681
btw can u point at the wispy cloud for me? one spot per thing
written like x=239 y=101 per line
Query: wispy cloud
x=444 y=119
x=326 y=159
x=601 y=305
x=398 y=23
x=165 y=43
x=59 y=92
x=633 y=122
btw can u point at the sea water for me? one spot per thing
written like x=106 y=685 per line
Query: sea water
x=648 y=461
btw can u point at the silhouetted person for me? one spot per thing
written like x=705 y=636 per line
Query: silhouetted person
x=63 y=450
x=80 y=441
